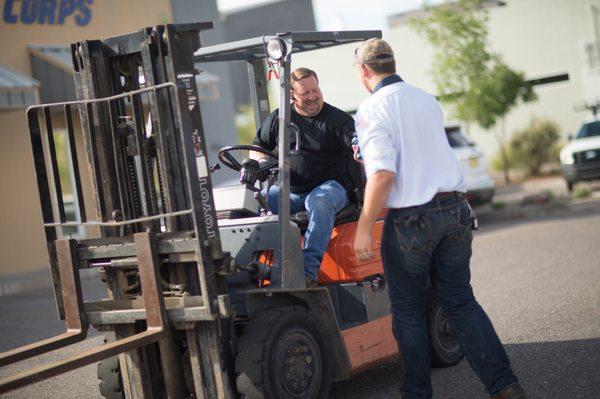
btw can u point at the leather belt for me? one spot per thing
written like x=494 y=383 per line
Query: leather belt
x=447 y=194
x=444 y=194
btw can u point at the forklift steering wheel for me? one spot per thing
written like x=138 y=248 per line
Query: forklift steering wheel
x=228 y=160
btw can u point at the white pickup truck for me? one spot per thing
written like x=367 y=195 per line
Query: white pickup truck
x=580 y=158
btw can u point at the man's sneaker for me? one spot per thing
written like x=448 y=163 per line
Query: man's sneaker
x=512 y=392
x=310 y=283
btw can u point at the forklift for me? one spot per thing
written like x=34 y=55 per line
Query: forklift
x=206 y=296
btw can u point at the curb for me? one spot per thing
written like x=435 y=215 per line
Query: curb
x=584 y=206
x=23 y=283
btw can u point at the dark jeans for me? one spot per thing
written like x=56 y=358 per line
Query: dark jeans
x=433 y=241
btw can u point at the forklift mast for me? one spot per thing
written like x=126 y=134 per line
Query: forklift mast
x=153 y=205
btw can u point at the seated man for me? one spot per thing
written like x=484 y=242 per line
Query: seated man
x=319 y=179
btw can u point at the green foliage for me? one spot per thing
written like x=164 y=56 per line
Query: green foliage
x=498 y=205
x=582 y=192
x=497 y=92
x=60 y=143
x=457 y=33
x=244 y=124
x=474 y=82
x=534 y=146
x=497 y=163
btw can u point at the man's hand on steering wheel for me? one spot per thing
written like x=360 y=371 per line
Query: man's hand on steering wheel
x=264 y=164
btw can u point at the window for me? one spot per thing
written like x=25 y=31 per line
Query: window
x=589 y=130
x=596 y=27
x=561 y=77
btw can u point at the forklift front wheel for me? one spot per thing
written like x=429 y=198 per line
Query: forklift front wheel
x=283 y=354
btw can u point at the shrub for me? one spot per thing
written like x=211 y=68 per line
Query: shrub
x=535 y=145
x=498 y=205
x=581 y=192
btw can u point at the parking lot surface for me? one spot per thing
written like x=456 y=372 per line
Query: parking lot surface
x=538 y=280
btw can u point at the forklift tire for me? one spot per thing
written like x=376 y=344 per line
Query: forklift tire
x=283 y=353
x=109 y=374
x=444 y=349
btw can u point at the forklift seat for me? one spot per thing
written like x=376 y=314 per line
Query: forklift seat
x=348 y=214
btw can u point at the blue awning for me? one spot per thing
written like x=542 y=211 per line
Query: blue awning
x=17 y=90
x=51 y=65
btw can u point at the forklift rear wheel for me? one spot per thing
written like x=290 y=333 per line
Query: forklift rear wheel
x=109 y=374
x=443 y=345
x=283 y=354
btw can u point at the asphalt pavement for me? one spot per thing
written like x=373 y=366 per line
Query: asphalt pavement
x=538 y=280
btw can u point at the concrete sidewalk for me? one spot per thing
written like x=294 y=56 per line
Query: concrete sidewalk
x=535 y=197
x=553 y=184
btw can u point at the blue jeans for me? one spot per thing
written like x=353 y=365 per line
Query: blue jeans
x=433 y=242
x=322 y=203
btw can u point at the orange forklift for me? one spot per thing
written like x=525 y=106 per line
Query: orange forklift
x=205 y=288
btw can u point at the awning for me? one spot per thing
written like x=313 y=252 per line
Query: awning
x=51 y=66
x=16 y=89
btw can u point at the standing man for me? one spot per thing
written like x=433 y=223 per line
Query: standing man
x=319 y=176
x=427 y=235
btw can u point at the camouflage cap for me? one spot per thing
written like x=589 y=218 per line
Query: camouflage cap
x=373 y=51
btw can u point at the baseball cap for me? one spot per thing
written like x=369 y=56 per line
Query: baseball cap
x=373 y=51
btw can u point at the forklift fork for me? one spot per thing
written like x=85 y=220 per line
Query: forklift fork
x=76 y=322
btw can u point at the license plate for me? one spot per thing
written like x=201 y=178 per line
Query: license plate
x=474 y=162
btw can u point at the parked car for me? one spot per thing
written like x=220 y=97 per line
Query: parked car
x=480 y=185
x=580 y=158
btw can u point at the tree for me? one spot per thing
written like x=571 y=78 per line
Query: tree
x=457 y=32
x=474 y=82
x=497 y=93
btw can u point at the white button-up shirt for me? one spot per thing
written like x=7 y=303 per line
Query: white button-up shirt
x=401 y=129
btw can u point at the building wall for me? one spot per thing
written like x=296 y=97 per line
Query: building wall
x=538 y=37
x=217 y=116
x=22 y=243
x=107 y=18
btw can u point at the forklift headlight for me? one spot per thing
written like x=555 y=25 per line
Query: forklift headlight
x=275 y=49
